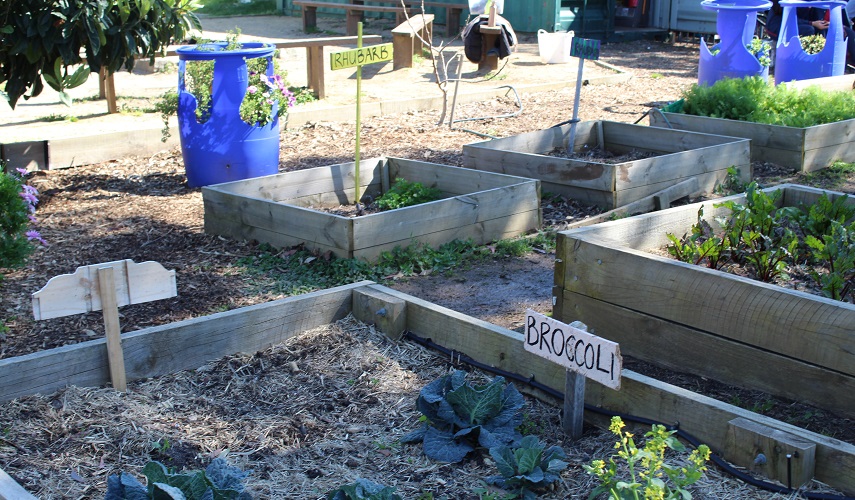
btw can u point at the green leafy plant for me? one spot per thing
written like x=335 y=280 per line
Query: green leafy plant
x=218 y=481
x=460 y=416
x=643 y=472
x=404 y=193
x=702 y=245
x=837 y=249
x=17 y=207
x=753 y=99
x=761 y=50
x=758 y=48
x=812 y=44
x=765 y=237
x=527 y=467
x=757 y=233
x=732 y=182
x=363 y=489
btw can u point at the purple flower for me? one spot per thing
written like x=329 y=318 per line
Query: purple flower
x=22 y=171
x=29 y=197
x=34 y=235
x=32 y=218
x=252 y=89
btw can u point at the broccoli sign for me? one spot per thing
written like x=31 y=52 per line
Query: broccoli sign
x=584 y=355
x=594 y=357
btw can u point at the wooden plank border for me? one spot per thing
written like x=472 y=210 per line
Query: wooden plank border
x=705 y=418
x=189 y=344
x=174 y=347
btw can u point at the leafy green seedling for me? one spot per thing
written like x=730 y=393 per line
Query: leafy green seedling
x=527 y=467
x=404 y=193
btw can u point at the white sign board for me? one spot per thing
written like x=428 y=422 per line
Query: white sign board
x=593 y=357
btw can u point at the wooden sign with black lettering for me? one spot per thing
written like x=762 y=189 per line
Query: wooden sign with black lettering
x=593 y=357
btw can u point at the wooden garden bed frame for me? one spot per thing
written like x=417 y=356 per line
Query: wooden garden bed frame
x=706 y=322
x=482 y=206
x=804 y=149
x=680 y=156
x=188 y=344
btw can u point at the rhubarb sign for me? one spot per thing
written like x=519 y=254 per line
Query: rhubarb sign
x=593 y=357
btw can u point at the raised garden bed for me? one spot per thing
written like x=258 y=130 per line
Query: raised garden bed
x=802 y=148
x=710 y=323
x=679 y=156
x=193 y=344
x=481 y=206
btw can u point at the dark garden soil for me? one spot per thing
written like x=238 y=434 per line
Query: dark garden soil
x=140 y=208
x=597 y=155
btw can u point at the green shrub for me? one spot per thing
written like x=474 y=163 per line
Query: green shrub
x=17 y=204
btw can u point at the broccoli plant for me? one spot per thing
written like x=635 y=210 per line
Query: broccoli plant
x=459 y=416
x=527 y=467
x=363 y=489
x=218 y=481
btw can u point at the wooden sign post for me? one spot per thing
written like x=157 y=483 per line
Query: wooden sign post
x=583 y=354
x=583 y=48
x=105 y=287
x=359 y=57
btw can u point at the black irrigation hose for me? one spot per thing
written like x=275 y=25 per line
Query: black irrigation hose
x=457 y=357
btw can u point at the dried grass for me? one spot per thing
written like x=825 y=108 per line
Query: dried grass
x=306 y=416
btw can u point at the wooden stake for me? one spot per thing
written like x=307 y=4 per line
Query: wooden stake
x=574 y=405
x=110 y=310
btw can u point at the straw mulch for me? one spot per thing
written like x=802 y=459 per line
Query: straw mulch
x=306 y=417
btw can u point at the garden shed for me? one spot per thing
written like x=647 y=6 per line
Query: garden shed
x=602 y=19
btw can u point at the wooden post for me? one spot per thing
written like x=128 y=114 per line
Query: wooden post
x=573 y=419
x=582 y=355
x=110 y=310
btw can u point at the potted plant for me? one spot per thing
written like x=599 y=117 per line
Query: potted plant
x=229 y=102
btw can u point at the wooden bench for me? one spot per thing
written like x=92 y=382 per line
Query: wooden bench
x=407 y=39
x=353 y=13
x=453 y=11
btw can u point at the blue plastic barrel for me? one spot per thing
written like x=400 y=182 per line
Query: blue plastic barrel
x=792 y=62
x=735 y=22
x=224 y=148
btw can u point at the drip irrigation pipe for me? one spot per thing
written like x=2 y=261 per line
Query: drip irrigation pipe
x=506 y=115
x=452 y=121
x=457 y=357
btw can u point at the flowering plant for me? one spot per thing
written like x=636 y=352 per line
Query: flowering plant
x=17 y=205
x=265 y=94
x=649 y=476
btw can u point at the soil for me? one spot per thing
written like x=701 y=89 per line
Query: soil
x=598 y=155
x=140 y=208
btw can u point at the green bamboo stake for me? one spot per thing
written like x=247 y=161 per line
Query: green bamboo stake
x=358 y=114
